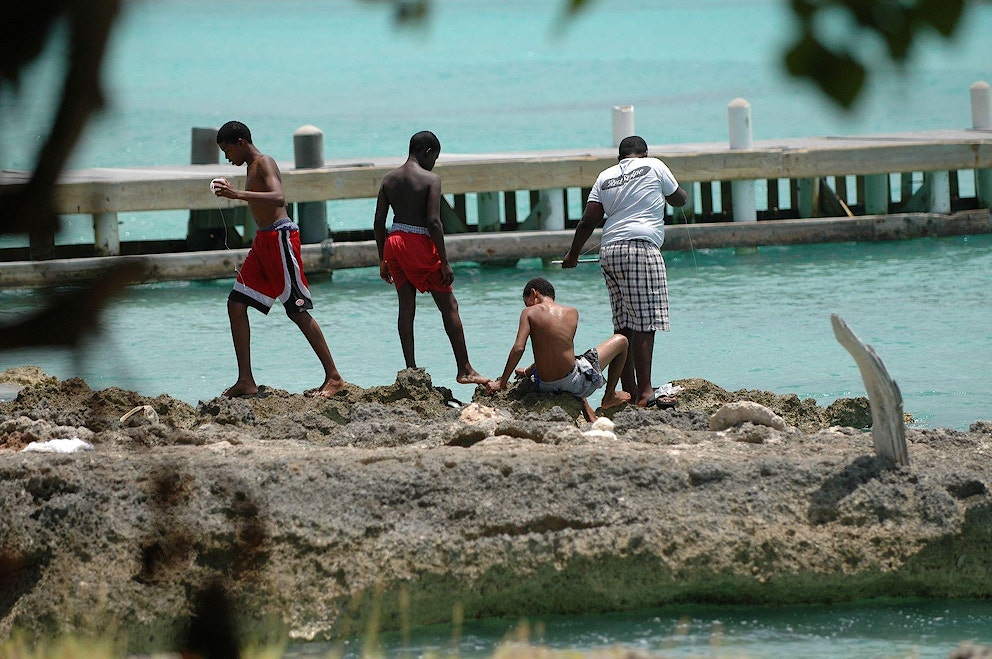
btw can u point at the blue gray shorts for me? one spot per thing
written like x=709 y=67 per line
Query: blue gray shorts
x=585 y=378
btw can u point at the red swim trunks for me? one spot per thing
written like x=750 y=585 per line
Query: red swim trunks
x=273 y=270
x=412 y=257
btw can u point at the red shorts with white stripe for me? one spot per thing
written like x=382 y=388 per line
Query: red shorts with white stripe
x=273 y=270
x=413 y=258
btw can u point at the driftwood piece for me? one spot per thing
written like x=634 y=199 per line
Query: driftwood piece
x=888 y=429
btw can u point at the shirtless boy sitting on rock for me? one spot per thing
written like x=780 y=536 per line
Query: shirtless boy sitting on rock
x=551 y=329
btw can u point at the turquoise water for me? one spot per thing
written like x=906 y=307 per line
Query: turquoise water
x=757 y=320
x=499 y=76
x=484 y=76
x=910 y=630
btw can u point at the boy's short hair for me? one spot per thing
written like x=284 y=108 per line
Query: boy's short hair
x=425 y=139
x=233 y=131
x=541 y=285
x=632 y=145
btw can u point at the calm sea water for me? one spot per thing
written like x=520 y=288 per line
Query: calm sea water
x=510 y=76
x=887 y=630
x=740 y=320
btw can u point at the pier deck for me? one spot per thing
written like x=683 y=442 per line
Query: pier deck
x=930 y=168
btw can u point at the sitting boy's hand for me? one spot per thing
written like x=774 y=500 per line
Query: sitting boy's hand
x=520 y=374
x=495 y=385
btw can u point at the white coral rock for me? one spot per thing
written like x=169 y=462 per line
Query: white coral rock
x=734 y=414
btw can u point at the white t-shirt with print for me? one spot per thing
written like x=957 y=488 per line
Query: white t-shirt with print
x=632 y=193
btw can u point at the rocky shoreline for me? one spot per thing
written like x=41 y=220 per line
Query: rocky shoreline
x=401 y=505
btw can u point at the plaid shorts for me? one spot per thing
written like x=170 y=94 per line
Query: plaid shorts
x=635 y=276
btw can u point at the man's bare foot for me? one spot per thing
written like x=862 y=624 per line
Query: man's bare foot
x=328 y=389
x=239 y=389
x=612 y=399
x=471 y=377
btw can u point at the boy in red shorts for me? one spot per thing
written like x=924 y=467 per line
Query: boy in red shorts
x=273 y=269
x=412 y=255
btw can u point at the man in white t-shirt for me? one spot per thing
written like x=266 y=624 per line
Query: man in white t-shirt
x=632 y=195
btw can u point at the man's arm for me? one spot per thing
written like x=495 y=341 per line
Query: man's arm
x=677 y=198
x=592 y=217
x=436 y=229
x=516 y=352
x=379 y=229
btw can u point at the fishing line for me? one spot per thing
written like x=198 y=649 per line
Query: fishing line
x=688 y=233
x=213 y=188
x=594 y=259
x=223 y=220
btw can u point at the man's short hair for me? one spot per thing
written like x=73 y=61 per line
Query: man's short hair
x=541 y=285
x=425 y=139
x=633 y=146
x=233 y=131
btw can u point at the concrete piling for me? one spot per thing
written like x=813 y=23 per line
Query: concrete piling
x=308 y=152
x=981 y=119
x=742 y=192
x=623 y=123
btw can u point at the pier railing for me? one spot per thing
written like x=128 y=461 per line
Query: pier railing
x=517 y=205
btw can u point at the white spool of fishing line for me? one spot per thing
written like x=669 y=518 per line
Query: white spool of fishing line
x=214 y=184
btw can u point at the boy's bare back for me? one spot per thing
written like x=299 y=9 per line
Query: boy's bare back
x=552 y=336
x=413 y=193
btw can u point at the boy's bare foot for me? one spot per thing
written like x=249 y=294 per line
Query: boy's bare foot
x=612 y=399
x=328 y=389
x=471 y=377
x=239 y=389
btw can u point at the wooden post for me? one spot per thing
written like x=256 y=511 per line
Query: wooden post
x=510 y=209
x=888 y=429
x=981 y=119
x=808 y=192
x=623 y=123
x=106 y=234
x=311 y=216
x=742 y=192
x=488 y=205
x=876 y=194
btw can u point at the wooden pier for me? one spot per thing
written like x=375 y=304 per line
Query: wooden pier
x=878 y=187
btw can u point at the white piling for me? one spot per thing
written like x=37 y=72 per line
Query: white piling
x=308 y=152
x=940 y=192
x=742 y=192
x=623 y=123
x=488 y=206
x=981 y=119
x=555 y=200
x=981 y=105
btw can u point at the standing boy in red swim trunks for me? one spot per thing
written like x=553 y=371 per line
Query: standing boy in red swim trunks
x=273 y=269
x=412 y=256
